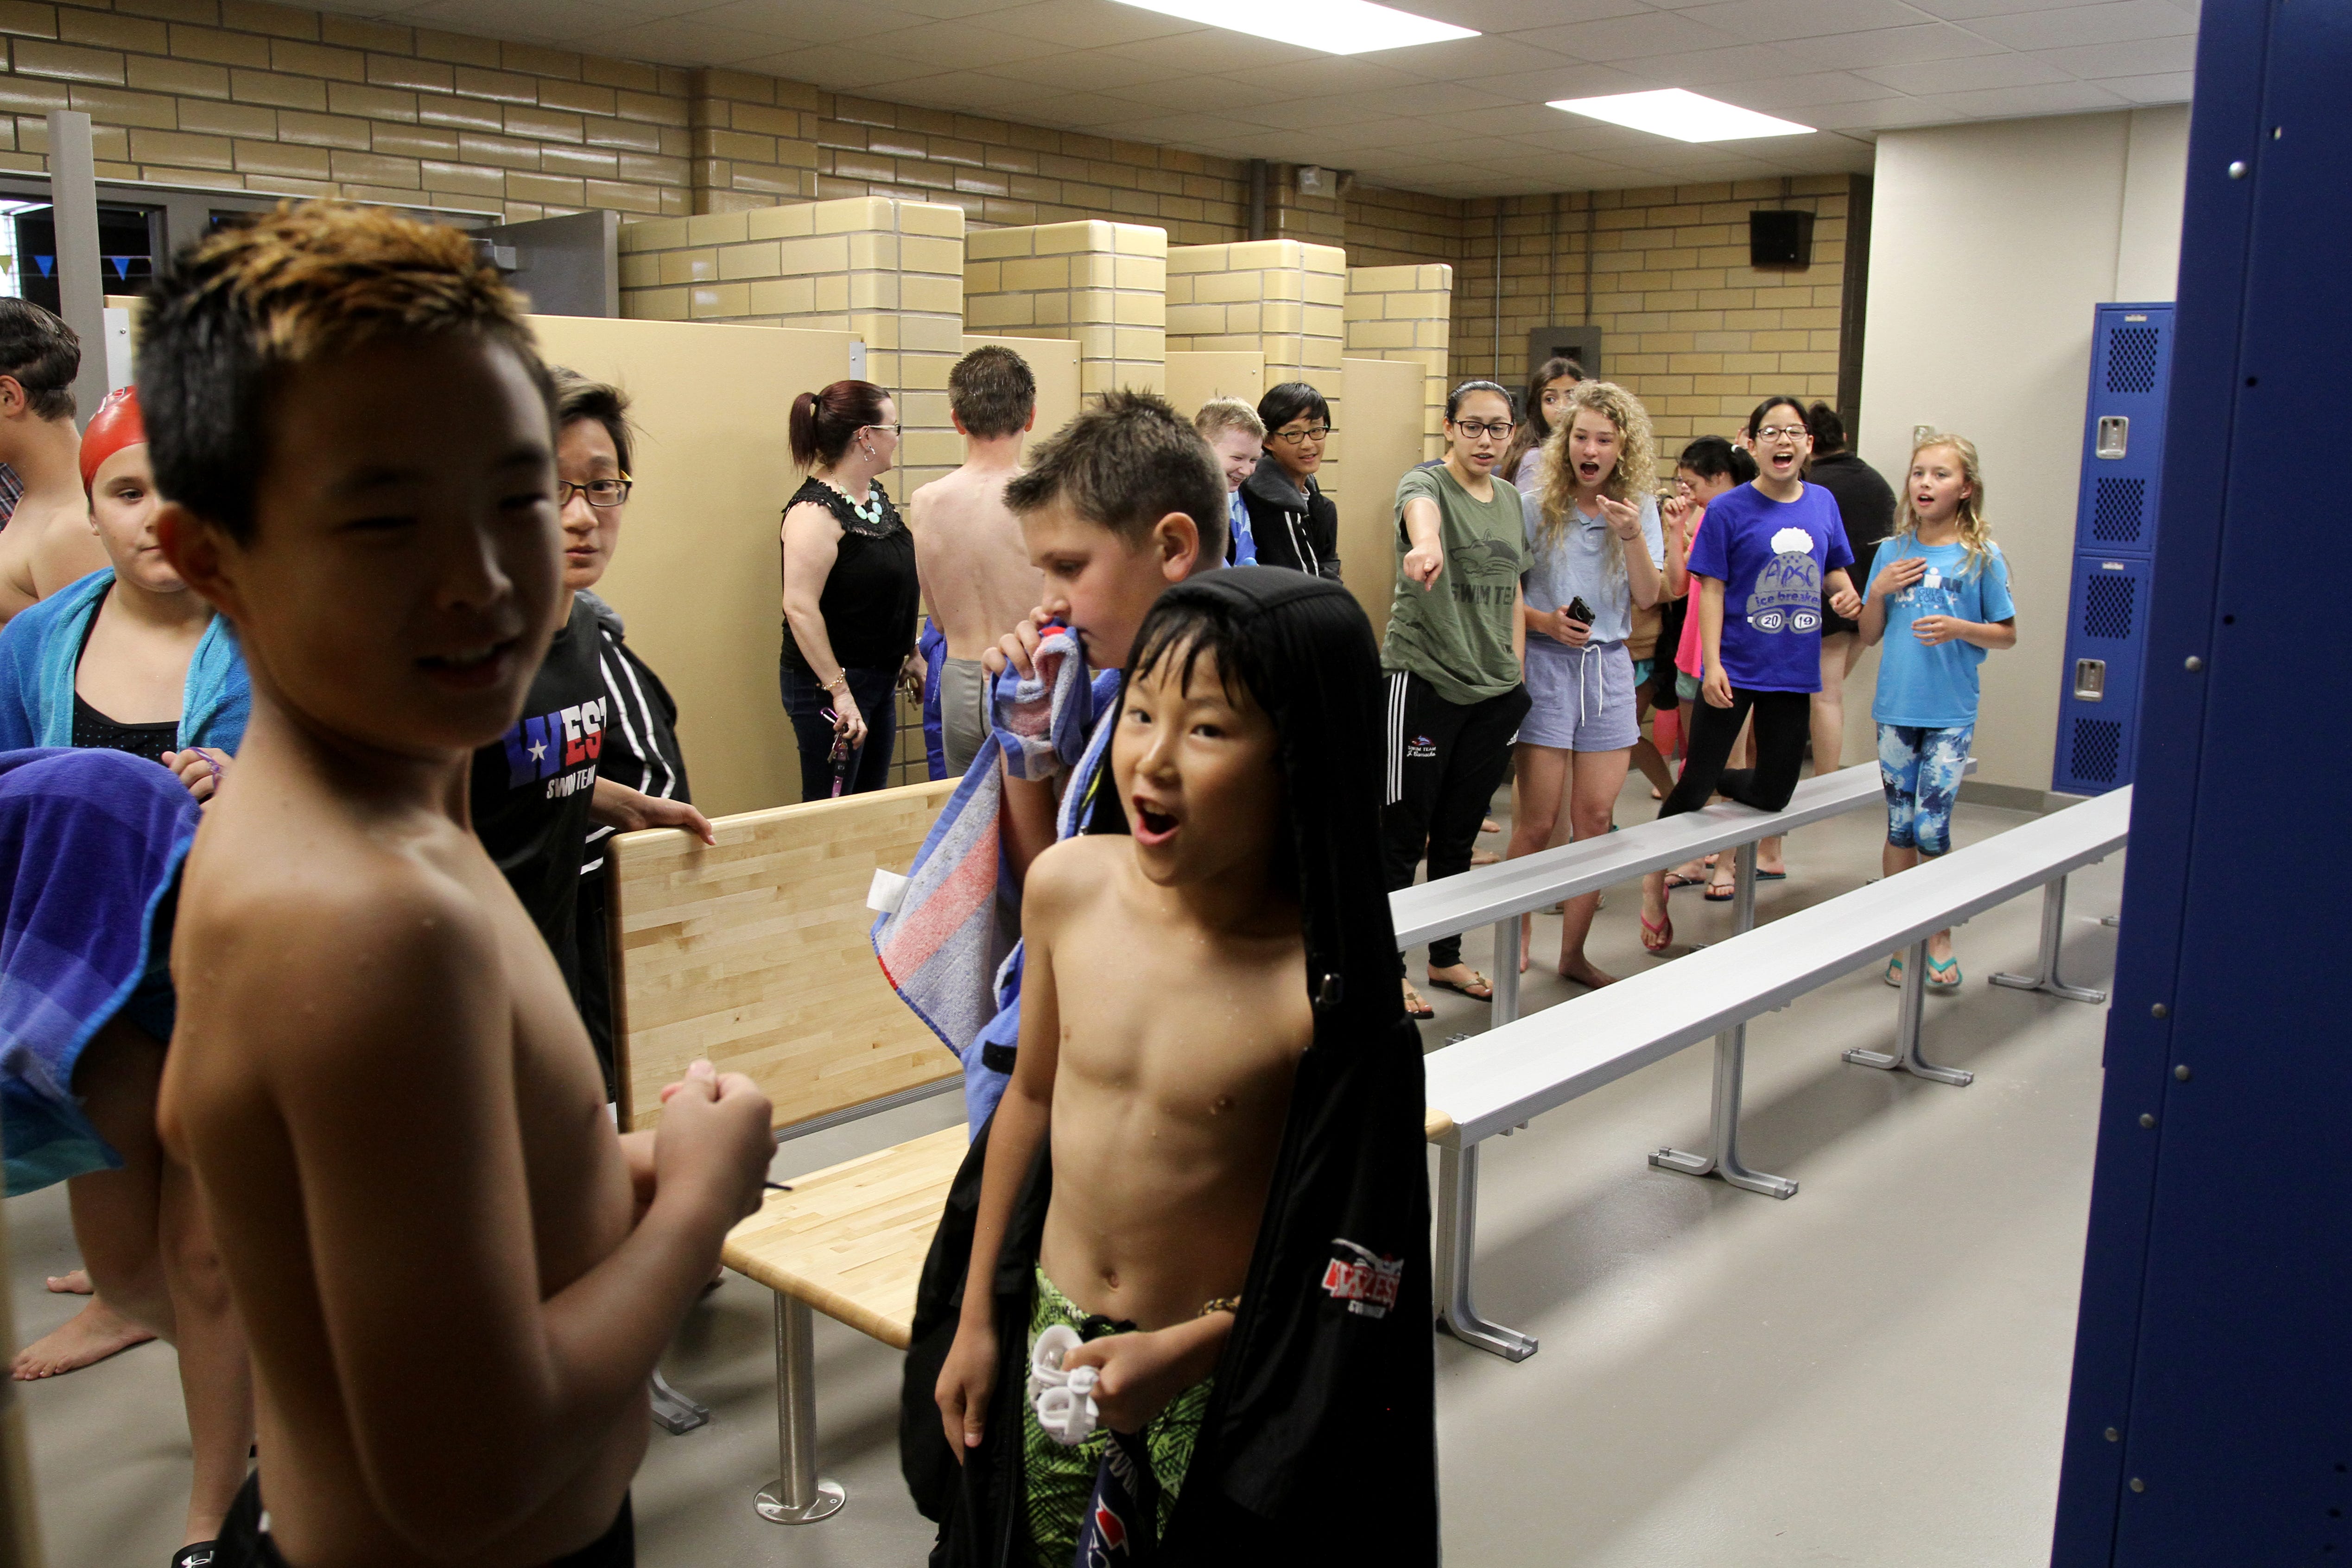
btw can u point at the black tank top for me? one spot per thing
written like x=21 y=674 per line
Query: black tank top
x=872 y=597
x=93 y=731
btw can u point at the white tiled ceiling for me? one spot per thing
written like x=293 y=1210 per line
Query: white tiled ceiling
x=1463 y=118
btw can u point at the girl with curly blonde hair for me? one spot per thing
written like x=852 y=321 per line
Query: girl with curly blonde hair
x=1595 y=551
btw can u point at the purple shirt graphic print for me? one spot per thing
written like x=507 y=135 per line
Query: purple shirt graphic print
x=1770 y=557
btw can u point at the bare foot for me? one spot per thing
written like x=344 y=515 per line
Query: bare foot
x=1488 y=825
x=1527 y=935
x=74 y=1283
x=94 y=1332
x=1583 y=972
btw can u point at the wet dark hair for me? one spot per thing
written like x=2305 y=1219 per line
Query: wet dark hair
x=577 y=398
x=1453 y=399
x=824 y=421
x=1123 y=465
x=1534 y=428
x=1828 y=427
x=1288 y=400
x=1756 y=420
x=236 y=312
x=1712 y=456
x=993 y=392
x=44 y=356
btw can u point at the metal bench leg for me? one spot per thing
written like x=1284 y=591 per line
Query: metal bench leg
x=1906 y=1054
x=2053 y=933
x=1730 y=1070
x=799 y=1495
x=1506 y=1004
x=675 y=1413
x=1457 y=1231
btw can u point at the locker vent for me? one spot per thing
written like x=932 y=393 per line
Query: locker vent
x=2131 y=359
x=2107 y=607
x=2098 y=750
x=2117 y=511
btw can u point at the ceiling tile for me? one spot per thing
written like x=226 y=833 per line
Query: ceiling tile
x=1080 y=109
x=959 y=89
x=1978 y=71
x=1631 y=37
x=1520 y=120
x=937 y=10
x=1310 y=113
x=1574 y=81
x=1101 y=72
x=1772 y=95
x=1701 y=68
x=1768 y=21
x=1880 y=114
x=1437 y=98
x=1466 y=59
x=2145 y=57
x=2170 y=88
x=2118 y=22
x=533 y=19
x=1174 y=128
x=1211 y=51
x=1893 y=47
x=2016 y=102
x=809 y=21
x=1514 y=15
x=832 y=66
x=1967 y=10
x=682 y=41
x=1082 y=24
x=954 y=46
x=1323 y=76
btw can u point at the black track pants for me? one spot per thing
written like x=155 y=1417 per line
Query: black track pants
x=1446 y=760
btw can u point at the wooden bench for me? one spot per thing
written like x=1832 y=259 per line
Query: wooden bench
x=1493 y=1083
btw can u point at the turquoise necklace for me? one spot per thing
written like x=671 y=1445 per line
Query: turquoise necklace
x=869 y=511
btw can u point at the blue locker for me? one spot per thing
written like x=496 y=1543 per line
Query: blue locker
x=2114 y=546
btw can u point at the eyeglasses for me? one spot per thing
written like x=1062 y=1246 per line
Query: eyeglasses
x=596 y=492
x=891 y=428
x=1471 y=429
x=1318 y=434
x=1774 y=432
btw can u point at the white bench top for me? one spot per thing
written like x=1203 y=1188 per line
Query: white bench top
x=1539 y=881
x=1501 y=1077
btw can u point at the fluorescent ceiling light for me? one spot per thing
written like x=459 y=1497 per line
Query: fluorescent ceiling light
x=1334 y=26
x=1684 y=116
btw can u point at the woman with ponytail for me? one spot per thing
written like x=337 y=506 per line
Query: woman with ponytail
x=850 y=590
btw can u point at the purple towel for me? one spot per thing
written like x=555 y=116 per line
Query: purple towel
x=90 y=846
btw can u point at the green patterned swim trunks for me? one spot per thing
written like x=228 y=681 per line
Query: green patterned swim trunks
x=1061 y=1480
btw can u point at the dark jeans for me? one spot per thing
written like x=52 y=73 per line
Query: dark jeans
x=804 y=705
x=1446 y=760
x=1783 y=723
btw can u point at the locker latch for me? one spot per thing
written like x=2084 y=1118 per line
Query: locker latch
x=2090 y=680
x=2115 y=435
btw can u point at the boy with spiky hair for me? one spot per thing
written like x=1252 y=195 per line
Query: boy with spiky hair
x=455 y=1277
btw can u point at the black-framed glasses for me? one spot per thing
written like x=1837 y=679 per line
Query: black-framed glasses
x=1472 y=429
x=596 y=492
x=1318 y=433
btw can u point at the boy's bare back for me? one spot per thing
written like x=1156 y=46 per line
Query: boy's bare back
x=1175 y=1050
x=971 y=559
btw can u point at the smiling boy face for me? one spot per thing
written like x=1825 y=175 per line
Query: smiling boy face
x=1195 y=768
x=402 y=582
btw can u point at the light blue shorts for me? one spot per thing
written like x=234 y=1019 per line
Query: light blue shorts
x=1582 y=699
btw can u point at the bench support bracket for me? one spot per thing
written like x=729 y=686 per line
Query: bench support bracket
x=1457 y=1233
x=1906 y=1054
x=1730 y=1071
x=798 y=1495
x=675 y=1413
x=1505 y=1008
x=2053 y=933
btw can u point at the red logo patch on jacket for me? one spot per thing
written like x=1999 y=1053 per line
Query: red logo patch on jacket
x=1367 y=1282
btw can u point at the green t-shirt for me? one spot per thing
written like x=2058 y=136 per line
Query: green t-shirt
x=1457 y=635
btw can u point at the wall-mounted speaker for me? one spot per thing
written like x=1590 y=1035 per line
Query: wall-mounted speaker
x=1780 y=238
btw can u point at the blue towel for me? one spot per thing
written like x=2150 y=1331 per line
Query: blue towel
x=90 y=846
x=933 y=646
x=40 y=648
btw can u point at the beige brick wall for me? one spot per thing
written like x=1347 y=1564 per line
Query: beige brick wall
x=1100 y=284
x=1406 y=313
x=1386 y=228
x=1688 y=325
x=1281 y=297
x=891 y=272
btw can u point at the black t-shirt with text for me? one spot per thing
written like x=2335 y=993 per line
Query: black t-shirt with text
x=533 y=787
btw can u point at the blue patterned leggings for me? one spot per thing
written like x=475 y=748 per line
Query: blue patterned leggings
x=1921 y=770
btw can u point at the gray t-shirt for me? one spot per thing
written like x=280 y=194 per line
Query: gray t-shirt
x=1580 y=565
x=1456 y=633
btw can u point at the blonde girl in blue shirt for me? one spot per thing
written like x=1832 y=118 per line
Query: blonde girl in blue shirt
x=1940 y=596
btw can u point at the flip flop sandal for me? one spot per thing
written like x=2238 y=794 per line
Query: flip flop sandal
x=1895 y=973
x=1460 y=989
x=1664 y=935
x=1944 y=978
x=1772 y=876
x=1676 y=879
x=1416 y=1006
x=1721 y=893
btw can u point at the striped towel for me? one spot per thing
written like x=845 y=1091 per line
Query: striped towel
x=949 y=949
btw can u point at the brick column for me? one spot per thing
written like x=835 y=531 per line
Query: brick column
x=1283 y=298
x=1407 y=313
x=1102 y=286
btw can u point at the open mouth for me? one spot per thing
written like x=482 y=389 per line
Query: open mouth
x=470 y=669
x=1588 y=472
x=1152 y=825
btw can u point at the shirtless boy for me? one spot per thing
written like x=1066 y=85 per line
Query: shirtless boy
x=48 y=542
x=974 y=569
x=1180 y=976
x=454 y=1275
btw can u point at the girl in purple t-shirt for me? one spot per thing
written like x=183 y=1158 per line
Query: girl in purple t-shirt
x=1758 y=568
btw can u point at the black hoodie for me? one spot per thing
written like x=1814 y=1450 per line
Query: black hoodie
x=1322 y=1425
x=1293 y=529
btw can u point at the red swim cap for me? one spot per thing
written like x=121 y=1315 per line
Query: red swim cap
x=114 y=426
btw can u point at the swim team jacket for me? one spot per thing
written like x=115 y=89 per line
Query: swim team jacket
x=1299 y=530
x=1321 y=1426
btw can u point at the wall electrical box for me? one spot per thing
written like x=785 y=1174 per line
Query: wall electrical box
x=2115 y=549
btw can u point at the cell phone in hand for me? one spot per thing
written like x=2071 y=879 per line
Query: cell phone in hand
x=1580 y=610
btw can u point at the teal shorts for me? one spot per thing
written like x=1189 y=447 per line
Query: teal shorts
x=1686 y=687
